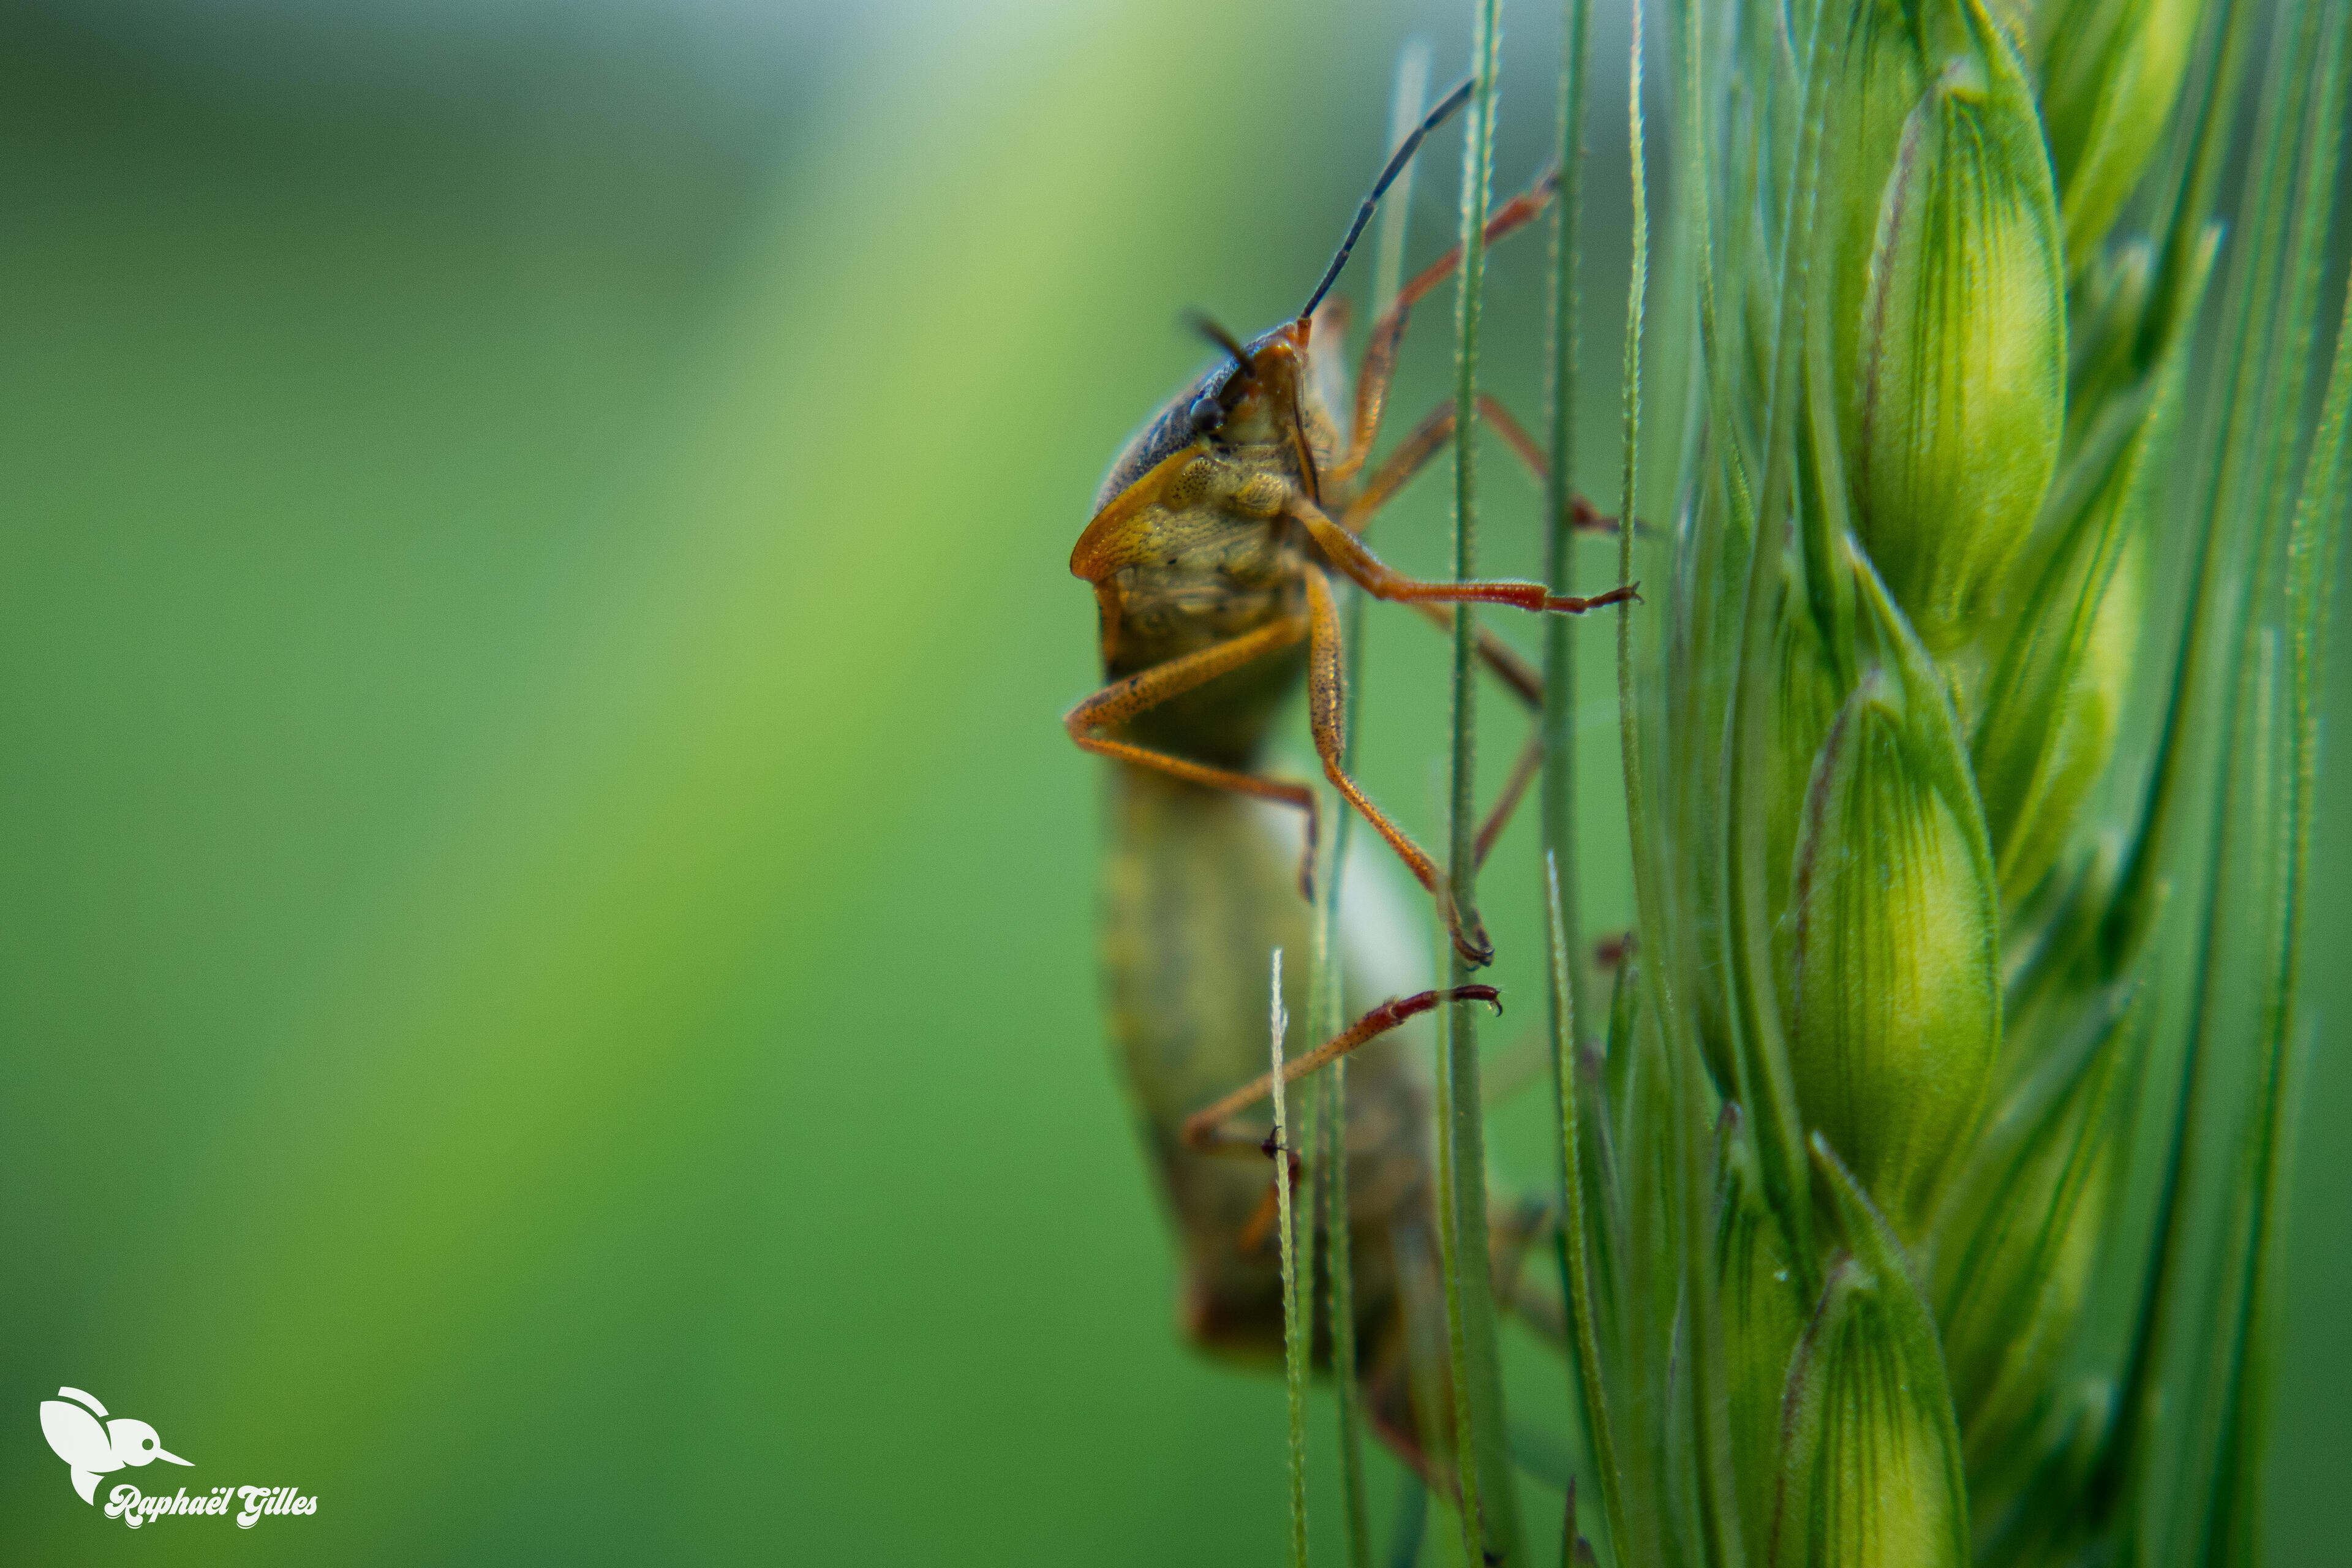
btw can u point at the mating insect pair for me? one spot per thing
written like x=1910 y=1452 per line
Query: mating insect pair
x=1211 y=552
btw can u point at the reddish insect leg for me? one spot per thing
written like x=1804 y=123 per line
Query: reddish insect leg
x=1398 y=469
x=1146 y=689
x=1380 y=355
x=1524 y=769
x=1430 y=436
x=1259 y=1228
x=1351 y=555
x=1202 y=1130
x=1325 y=705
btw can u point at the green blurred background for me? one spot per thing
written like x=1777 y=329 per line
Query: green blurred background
x=546 y=985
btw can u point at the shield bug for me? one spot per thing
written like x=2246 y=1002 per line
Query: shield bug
x=1211 y=553
x=1216 y=533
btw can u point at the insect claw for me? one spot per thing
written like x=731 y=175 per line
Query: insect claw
x=1472 y=943
x=1569 y=605
x=1487 y=993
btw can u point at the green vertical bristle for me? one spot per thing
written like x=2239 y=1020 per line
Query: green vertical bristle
x=1490 y=1509
x=1297 y=1324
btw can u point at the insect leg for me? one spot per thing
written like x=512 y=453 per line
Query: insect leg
x=1524 y=769
x=1503 y=662
x=1379 y=355
x=1258 y=1231
x=1351 y=556
x=1427 y=440
x=1399 y=468
x=1325 y=706
x=1582 y=515
x=1145 y=689
x=1202 y=1130
x=1430 y=437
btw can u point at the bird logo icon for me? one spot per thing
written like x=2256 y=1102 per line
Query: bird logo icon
x=93 y=1450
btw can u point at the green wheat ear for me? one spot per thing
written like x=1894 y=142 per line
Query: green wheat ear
x=1919 y=1190
x=1901 y=887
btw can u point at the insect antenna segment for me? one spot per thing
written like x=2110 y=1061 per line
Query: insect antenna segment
x=1397 y=161
x=1200 y=322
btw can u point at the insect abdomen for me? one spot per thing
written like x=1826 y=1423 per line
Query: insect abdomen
x=1199 y=886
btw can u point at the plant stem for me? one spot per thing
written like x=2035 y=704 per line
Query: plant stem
x=1558 y=800
x=1575 y=1268
x=2313 y=542
x=2271 y=288
x=1327 y=996
x=1561 y=861
x=1296 y=1327
x=2305 y=540
x=1760 y=1054
x=1490 y=1514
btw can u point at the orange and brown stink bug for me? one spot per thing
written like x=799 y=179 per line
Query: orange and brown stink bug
x=1209 y=553
x=1217 y=530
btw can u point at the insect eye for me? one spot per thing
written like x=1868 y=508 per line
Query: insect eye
x=1207 y=415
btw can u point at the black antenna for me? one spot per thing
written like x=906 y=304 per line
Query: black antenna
x=1397 y=161
x=1200 y=322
